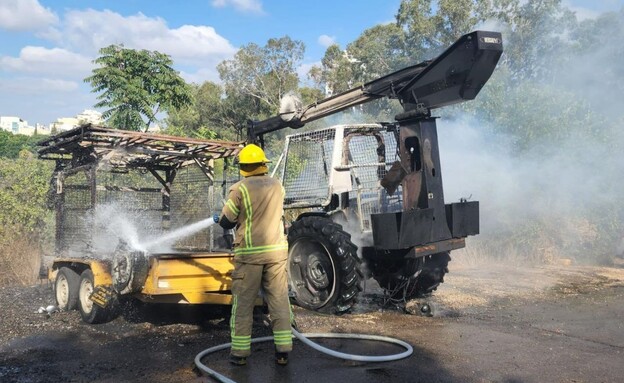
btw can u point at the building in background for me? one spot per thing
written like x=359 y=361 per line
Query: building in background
x=87 y=116
x=63 y=124
x=90 y=116
x=16 y=125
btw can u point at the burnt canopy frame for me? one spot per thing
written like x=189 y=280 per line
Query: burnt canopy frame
x=89 y=149
x=92 y=143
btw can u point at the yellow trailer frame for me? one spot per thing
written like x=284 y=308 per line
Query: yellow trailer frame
x=198 y=278
x=193 y=278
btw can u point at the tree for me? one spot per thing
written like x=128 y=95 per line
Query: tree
x=211 y=111
x=11 y=144
x=427 y=33
x=418 y=34
x=262 y=74
x=136 y=85
x=536 y=38
x=25 y=222
x=336 y=73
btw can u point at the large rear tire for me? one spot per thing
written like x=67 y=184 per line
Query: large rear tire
x=323 y=266
x=91 y=312
x=66 y=289
x=434 y=269
x=406 y=279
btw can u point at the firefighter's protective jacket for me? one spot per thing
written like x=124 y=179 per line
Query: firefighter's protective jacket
x=256 y=205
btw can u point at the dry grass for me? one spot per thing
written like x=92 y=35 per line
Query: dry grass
x=20 y=259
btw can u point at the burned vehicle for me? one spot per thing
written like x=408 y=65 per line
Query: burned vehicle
x=379 y=185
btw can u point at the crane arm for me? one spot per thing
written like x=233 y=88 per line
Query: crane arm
x=456 y=75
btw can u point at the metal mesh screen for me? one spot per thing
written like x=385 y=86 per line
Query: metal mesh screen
x=193 y=199
x=131 y=197
x=368 y=169
x=307 y=167
x=134 y=202
x=76 y=203
x=368 y=152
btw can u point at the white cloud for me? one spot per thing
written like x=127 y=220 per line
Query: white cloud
x=90 y=30
x=326 y=40
x=201 y=75
x=31 y=86
x=303 y=69
x=25 y=15
x=51 y=78
x=252 y=6
x=43 y=61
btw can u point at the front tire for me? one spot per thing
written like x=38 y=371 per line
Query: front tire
x=323 y=265
x=90 y=312
x=66 y=289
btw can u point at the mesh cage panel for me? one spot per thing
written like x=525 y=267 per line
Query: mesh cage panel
x=371 y=153
x=76 y=204
x=192 y=201
x=137 y=198
x=307 y=167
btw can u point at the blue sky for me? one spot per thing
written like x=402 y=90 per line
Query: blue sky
x=47 y=45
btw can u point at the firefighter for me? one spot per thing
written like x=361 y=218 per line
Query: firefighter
x=255 y=208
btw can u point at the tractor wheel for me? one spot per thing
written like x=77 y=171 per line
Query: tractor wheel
x=412 y=278
x=323 y=265
x=66 y=289
x=90 y=312
x=434 y=269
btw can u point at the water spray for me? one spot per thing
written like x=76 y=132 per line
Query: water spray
x=133 y=251
x=182 y=232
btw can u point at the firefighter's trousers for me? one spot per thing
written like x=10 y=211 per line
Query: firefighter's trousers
x=247 y=279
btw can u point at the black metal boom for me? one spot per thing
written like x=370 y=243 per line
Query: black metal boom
x=456 y=75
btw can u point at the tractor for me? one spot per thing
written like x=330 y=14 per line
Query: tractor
x=377 y=185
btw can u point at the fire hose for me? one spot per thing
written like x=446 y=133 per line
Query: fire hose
x=304 y=338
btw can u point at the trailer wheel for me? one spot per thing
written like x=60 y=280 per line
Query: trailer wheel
x=90 y=312
x=323 y=265
x=412 y=278
x=66 y=289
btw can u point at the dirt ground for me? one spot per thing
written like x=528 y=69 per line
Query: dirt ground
x=490 y=324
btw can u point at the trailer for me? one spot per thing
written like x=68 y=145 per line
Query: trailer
x=105 y=177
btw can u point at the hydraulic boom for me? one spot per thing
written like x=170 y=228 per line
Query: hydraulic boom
x=457 y=75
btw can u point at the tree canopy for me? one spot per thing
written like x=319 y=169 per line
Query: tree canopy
x=136 y=85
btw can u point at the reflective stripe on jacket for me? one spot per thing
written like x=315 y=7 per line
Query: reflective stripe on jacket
x=256 y=204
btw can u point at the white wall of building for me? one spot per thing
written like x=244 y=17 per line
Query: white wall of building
x=17 y=125
x=14 y=125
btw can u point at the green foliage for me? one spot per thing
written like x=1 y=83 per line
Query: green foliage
x=23 y=189
x=536 y=41
x=210 y=115
x=12 y=144
x=259 y=77
x=26 y=226
x=426 y=32
x=136 y=85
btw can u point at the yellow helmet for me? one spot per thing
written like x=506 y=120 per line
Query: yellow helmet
x=252 y=154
